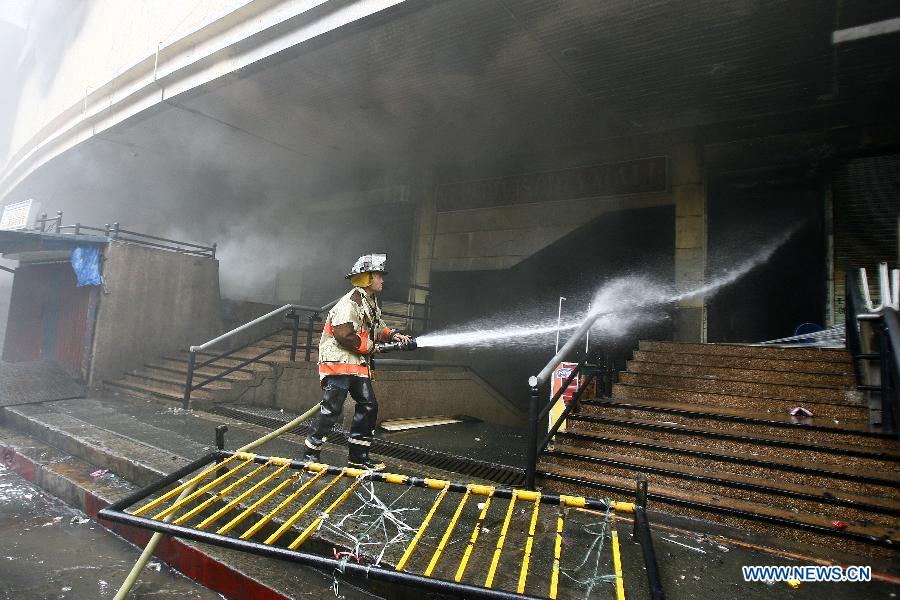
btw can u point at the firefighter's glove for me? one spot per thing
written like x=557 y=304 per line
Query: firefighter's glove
x=402 y=338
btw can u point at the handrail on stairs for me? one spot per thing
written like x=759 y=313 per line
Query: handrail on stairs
x=289 y=311
x=535 y=416
x=878 y=329
x=536 y=382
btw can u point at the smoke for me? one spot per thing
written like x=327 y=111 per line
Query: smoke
x=617 y=308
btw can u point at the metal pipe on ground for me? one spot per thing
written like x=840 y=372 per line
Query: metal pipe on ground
x=154 y=541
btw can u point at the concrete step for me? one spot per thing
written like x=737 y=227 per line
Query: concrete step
x=853 y=475
x=804 y=527
x=161 y=391
x=182 y=358
x=744 y=351
x=791 y=392
x=249 y=352
x=734 y=439
x=772 y=406
x=154 y=377
x=840 y=381
x=180 y=370
x=815 y=429
x=832 y=502
x=743 y=362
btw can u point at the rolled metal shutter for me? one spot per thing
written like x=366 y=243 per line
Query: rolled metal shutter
x=866 y=218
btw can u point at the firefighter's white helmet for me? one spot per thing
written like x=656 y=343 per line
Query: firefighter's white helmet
x=369 y=263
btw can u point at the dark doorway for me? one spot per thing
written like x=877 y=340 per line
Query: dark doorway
x=746 y=211
x=638 y=241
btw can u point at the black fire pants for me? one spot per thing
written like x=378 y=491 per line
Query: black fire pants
x=362 y=428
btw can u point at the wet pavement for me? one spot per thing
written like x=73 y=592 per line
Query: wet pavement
x=37 y=381
x=48 y=550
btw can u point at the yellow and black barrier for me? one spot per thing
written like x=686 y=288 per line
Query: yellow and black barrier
x=216 y=512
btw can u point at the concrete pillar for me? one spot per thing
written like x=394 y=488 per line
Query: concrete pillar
x=423 y=239
x=689 y=194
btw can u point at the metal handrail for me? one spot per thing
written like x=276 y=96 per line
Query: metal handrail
x=114 y=232
x=536 y=381
x=258 y=320
x=890 y=368
x=542 y=377
x=885 y=315
x=290 y=311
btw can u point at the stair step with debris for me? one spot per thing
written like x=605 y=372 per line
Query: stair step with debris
x=180 y=369
x=841 y=476
x=777 y=406
x=745 y=351
x=182 y=358
x=815 y=429
x=147 y=376
x=833 y=502
x=790 y=392
x=781 y=522
x=743 y=362
x=127 y=457
x=162 y=391
x=768 y=376
x=249 y=353
x=733 y=439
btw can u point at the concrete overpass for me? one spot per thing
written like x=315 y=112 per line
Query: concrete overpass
x=478 y=134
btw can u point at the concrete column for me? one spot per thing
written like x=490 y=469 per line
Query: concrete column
x=689 y=194
x=423 y=239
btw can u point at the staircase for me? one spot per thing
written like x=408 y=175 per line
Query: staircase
x=164 y=377
x=710 y=427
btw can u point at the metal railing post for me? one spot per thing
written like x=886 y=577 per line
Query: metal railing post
x=531 y=465
x=311 y=323
x=189 y=382
x=640 y=498
x=888 y=415
x=295 y=327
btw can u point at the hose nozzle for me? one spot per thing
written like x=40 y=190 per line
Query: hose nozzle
x=391 y=346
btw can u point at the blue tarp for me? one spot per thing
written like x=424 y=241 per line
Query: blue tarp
x=86 y=264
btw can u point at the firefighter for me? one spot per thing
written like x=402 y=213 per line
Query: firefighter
x=349 y=337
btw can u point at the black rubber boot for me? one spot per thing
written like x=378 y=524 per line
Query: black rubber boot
x=312 y=454
x=359 y=458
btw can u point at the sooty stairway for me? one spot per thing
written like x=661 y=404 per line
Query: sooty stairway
x=710 y=427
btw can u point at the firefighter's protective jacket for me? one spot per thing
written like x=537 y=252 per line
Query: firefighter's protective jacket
x=348 y=352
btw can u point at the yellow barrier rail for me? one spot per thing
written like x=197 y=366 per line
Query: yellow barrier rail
x=281 y=497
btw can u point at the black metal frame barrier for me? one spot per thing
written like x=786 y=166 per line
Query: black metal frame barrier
x=116 y=513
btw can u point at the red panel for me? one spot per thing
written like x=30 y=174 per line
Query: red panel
x=24 y=328
x=73 y=310
x=47 y=317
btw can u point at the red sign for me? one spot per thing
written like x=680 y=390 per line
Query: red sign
x=560 y=374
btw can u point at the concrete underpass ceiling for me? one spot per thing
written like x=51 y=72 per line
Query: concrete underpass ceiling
x=458 y=88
